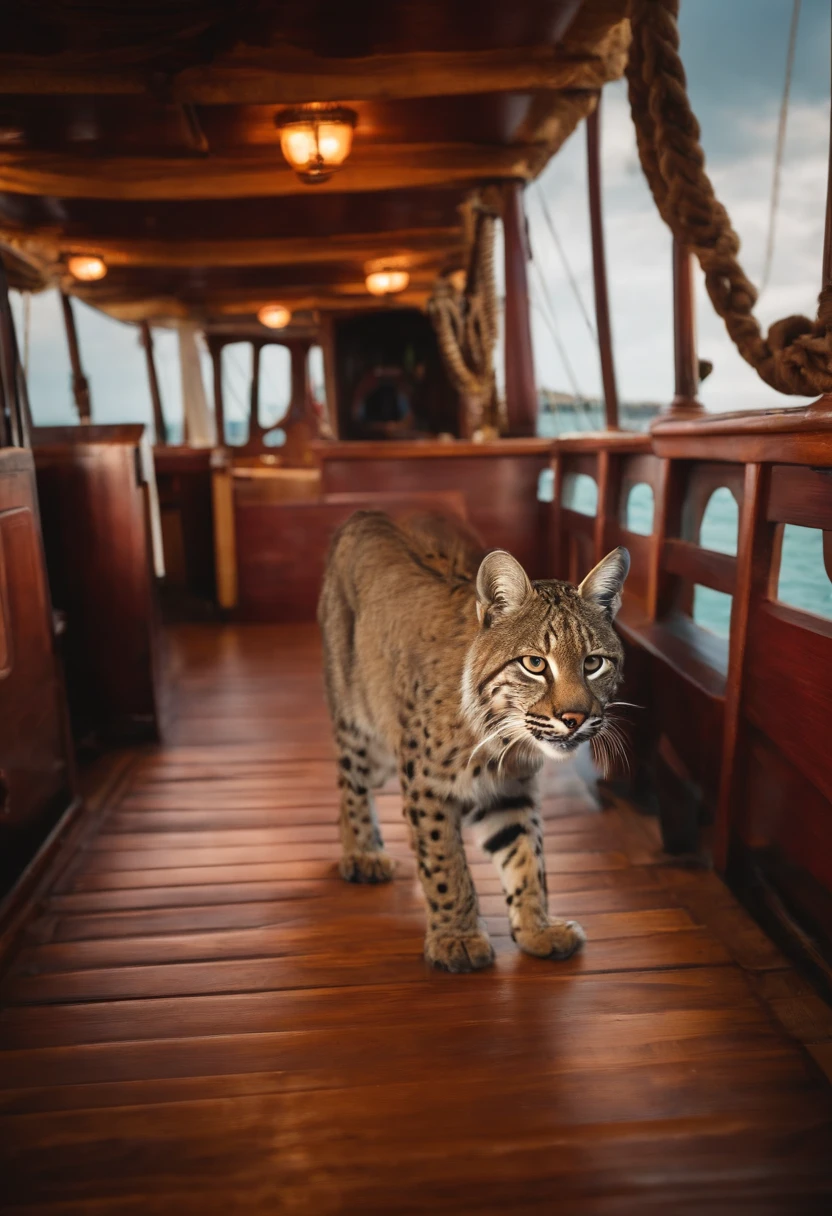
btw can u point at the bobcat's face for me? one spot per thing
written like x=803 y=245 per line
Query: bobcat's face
x=547 y=660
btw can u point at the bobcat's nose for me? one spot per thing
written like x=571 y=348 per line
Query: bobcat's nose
x=572 y=719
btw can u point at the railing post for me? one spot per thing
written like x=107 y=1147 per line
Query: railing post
x=80 y=384
x=159 y=424
x=599 y=268
x=215 y=347
x=521 y=394
x=684 y=335
x=255 y=431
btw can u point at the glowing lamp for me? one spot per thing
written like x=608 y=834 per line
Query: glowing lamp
x=386 y=282
x=274 y=316
x=87 y=269
x=316 y=140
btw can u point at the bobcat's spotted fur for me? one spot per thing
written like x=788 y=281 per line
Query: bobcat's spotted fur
x=457 y=671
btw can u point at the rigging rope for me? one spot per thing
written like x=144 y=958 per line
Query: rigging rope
x=549 y=316
x=779 y=147
x=795 y=356
x=573 y=283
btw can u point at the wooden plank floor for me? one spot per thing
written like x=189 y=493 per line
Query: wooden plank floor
x=202 y=1017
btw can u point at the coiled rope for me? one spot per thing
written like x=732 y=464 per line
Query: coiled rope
x=466 y=326
x=795 y=356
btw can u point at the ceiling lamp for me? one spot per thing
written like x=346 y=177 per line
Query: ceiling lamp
x=316 y=140
x=86 y=268
x=386 y=282
x=274 y=316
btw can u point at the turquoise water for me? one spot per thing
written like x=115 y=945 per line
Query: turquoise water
x=803 y=581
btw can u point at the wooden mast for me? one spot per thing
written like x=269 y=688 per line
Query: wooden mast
x=80 y=384
x=599 y=269
x=159 y=424
x=521 y=394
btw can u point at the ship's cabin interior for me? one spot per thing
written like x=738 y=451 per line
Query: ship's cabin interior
x=196 y=1013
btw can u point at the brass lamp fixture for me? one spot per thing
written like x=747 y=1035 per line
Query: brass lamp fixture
x=86 y=268
x=316 y=140
x=274 y=316
x=386 y=282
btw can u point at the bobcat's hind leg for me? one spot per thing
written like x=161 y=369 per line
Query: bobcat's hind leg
x=360 y=770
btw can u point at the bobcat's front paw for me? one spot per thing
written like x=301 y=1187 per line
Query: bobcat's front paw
x=366 y=867
x=460 y=952
x=559 y=939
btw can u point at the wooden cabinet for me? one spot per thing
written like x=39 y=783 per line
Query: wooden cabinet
x=35 y=763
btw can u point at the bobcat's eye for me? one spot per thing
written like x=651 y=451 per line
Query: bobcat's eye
x=533 y=663
x=595 y=665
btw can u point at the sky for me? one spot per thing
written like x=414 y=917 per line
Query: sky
x=734 y=52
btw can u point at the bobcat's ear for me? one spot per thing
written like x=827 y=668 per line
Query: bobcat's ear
x=603 y=585
x=502 y=587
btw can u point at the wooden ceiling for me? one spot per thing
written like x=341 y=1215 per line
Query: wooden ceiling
x=145 y=133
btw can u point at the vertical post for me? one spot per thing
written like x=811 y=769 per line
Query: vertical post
x=300 y=399
x=599 y=269
x=327 y=339
x=753 y=567
x=684 y=333
x=521 y=394
x=80 y=384
x=9 y=417
x=159 y=425
x=219 y=401
x=255 y=431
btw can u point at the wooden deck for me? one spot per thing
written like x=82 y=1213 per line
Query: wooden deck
x=201 y=1017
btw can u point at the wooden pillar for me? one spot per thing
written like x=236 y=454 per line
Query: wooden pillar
x=521 y=393
x=255 y=431
x=159 y=424
x=326 y=330
x=9 y=418
x=219 y=402
x=80 y=384
x=684 y=334
x=599 y=269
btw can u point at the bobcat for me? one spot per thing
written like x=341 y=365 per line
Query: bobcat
x=456 y=669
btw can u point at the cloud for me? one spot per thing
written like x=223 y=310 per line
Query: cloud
x=639 y=250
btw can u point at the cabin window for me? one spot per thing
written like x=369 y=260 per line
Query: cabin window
x=720 y=523
x=712 y=610
x=546 y=486
x=580 y=493
x=804 y=580
x=639 y=509
x=237 y=365
x=275 y=385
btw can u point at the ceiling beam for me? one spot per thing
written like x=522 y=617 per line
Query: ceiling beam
x=412 y=246
x=285 y=76
x=260 y=173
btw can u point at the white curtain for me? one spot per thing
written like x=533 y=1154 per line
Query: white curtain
x=199 y=420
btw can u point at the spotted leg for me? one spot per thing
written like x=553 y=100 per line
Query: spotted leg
x=456 y=940
x=359 y=772
x=511 y=832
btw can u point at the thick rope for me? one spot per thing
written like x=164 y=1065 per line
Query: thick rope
x=466 y=324
x=796 y=354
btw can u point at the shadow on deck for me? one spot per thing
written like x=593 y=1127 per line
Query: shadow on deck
x=203 y=1018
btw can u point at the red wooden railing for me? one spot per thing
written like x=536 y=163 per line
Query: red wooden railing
x=734 y=736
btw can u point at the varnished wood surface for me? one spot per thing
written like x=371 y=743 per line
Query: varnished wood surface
x=201 y=1017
